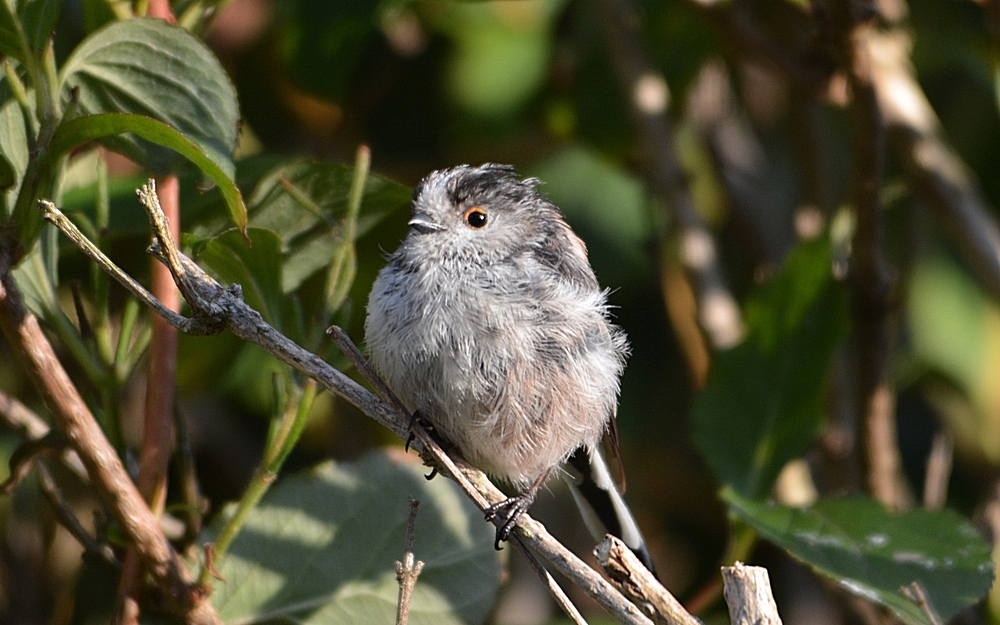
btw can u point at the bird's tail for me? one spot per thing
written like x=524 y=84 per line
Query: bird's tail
x=602 y=506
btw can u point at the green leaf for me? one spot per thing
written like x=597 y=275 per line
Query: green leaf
x=322 y=547
x=72 y=134
x=10 y=32
x=26 y=25
x=13 y=141
x=763 y=403
x=148 y=67
x=305 y=202
x=257 y=269
x=872 y=553
x=38 y=18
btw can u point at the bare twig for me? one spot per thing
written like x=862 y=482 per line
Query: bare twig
x=871 y=280
x=748 y=595
x=112 y=482
x=916 y=593
x=938 y=471
x=939 y=173
x=646 y=101
x=68 y=519
x=216 y=307
x=628 y=573
x=408 y=570
x=21 y=418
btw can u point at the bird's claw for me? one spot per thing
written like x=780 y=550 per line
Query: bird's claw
x=510 y=510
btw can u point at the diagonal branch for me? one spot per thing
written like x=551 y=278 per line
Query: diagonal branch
x=646 y=100
x=217 y=307
x=112 y=482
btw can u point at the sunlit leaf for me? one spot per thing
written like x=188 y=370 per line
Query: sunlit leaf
x=322 y=547
x=873 y=554
x=72 y=134
x=305 y=203
x=148 y=67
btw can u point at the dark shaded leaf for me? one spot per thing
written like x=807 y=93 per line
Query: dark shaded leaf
x=26 y=25
x=763 y=403
x=872 y=553
x=257 y=269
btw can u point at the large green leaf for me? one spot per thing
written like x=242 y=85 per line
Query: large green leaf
x=322 y=547
x=873 y=554
x=305 y=202
x=763 y=403
x=72 y=134
x=148 y=67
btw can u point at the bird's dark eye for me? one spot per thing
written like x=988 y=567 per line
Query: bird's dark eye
x=475 y=217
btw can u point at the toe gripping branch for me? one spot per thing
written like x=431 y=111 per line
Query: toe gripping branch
x=511 y=509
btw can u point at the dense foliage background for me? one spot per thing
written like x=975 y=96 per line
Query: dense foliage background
x=792 y=202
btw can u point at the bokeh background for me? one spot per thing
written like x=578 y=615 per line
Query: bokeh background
x=430 y=84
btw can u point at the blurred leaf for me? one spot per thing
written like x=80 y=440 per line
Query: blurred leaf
x=13 y=141
x=148 y=67
x=763 y=403
x=26 y=22
x=38 y=18
x=501 y=54
x=872 y=553
x=322 y=548
x=954 y=330
x=257 y=269
x=605 y=205
x=72 y=134
x=325 y=41
x=305 y=203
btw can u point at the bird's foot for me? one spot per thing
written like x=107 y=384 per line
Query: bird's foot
x=509 y=510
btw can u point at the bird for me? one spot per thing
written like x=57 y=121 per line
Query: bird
x=489 y=324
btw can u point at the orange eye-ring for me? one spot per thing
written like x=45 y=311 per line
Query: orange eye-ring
x=475 y=217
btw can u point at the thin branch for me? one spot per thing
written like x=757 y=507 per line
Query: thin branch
x=59 y=220
x=939 y=173
x=871 y=280
x=938 y=471
x=646 y=101
x=748 y=595
x=408 y=570
x=68 y=519
x=622 y=566
x=216 y=306
x=108 y=475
